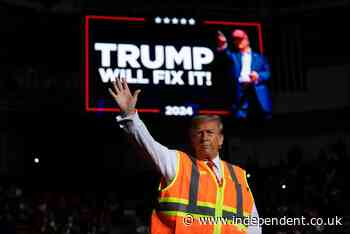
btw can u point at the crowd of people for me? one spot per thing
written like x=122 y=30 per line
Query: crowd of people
x=296 y=188
x=66 y=213
x=310 y=189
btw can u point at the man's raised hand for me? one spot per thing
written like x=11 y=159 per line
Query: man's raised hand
x=123 y=97
x=221 y=41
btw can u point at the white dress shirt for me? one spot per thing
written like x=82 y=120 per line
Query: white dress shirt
x=164 y=158
x=246 y=66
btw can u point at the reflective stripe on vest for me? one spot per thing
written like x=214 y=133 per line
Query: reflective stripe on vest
x=194 y=185
x=238 y=191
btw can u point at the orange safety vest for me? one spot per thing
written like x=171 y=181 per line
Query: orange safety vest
x=194 y=195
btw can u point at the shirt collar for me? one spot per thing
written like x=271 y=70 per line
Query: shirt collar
x=216 y=161
x=247 y=52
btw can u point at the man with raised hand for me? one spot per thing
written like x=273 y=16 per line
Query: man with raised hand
x=250 y=72
x=199 y=193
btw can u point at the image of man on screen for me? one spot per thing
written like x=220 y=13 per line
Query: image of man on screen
x=250 y=72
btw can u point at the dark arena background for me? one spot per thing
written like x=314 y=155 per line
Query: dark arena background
x=67 y=167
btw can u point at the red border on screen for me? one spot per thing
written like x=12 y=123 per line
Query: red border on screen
x=140 y=19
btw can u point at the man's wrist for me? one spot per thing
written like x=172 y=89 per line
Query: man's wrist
x=126 y=117
x=221 y=48
x=128 y=112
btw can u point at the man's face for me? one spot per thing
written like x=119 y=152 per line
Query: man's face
x=206 y=139
x=241 y=43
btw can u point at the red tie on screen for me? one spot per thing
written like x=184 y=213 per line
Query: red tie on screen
x=211 y=165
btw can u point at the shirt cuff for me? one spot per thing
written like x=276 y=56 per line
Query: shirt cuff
x=122 y=120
